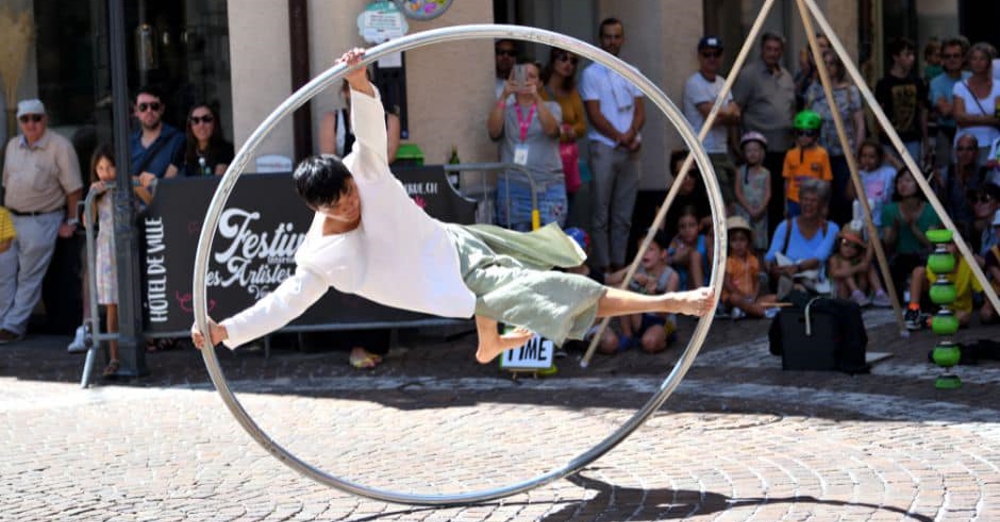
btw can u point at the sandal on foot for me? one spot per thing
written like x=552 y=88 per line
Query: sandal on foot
x=111 y=369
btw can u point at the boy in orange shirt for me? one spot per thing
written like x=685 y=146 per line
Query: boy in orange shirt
x=806 y=160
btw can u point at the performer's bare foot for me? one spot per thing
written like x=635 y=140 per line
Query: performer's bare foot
x=492 y=346
x=691 y=302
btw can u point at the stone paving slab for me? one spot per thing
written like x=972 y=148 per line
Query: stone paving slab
x=739 y=440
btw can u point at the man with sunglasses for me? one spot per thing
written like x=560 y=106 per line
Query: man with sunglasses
x=505 y=54
x=700 y=92
x=42 y=186
x=156 y=148
x=941 y=100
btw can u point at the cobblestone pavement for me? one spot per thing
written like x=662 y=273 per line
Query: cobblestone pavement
x=739 y=440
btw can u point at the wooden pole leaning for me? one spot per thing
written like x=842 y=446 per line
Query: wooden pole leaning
x=719 y=225
x=897 y=143
x=852 y=165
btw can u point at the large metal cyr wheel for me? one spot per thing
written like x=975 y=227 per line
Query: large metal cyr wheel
x=331 y=77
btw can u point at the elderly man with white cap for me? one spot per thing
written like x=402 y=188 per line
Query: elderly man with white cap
x=42 y=186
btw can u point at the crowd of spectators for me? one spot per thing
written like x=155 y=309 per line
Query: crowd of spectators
x=776 y=154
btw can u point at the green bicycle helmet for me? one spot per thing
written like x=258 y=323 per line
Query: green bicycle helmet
x=808 y=120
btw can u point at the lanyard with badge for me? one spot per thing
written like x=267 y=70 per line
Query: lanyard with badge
x=521 y=149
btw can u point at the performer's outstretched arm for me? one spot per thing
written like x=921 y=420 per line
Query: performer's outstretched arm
x=287 y=302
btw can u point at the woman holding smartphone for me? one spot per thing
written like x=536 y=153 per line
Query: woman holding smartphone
x=528 y=132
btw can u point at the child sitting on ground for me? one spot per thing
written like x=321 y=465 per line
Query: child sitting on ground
x=741 y=288
x=652 y=331
x=920 y=283
x=806 y=160
x=852 y=271
x=689 y=252
x=753 y=188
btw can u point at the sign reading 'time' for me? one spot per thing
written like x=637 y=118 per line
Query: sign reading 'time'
x=536 y=354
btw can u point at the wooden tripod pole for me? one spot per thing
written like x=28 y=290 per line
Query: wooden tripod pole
x=845 y=145
x=719 y=226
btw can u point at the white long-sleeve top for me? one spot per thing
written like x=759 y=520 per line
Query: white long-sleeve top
x=398 y=256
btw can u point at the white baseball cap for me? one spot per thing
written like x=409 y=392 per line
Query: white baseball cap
x=34 y=106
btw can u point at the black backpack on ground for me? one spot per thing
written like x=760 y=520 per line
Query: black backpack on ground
x=821 y=335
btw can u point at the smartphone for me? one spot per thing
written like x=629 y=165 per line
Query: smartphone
x=519 y=75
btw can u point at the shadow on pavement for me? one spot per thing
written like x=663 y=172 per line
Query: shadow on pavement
x=668 y=504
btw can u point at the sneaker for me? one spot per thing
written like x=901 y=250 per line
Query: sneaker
x=881 y=300
x=912 y=317
x=7 y=336
x=859 y=297
x=79 y=344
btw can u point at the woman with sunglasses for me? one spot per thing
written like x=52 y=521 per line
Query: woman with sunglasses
x=976 y=100
x=207 y=152
x=848 y=101
x=559 y=85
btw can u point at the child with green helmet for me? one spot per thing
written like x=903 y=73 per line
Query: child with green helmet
x=806 y=160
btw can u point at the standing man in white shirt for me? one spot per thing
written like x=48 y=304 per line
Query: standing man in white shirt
x=616 y=112
x=700 y=92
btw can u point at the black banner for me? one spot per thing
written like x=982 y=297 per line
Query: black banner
x=254 y=248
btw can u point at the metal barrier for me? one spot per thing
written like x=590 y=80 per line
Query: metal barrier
x=93 y=338
x=536 y=215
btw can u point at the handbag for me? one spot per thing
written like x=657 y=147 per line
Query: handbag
x=570 y=155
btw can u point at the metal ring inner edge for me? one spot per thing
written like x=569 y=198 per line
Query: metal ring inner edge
x=336 y=73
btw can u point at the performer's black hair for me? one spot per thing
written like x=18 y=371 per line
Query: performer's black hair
x=321 y=180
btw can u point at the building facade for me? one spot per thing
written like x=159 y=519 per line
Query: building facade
x=235 y=54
